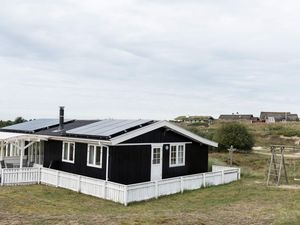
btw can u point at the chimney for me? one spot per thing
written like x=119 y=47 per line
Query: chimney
x=61 y=117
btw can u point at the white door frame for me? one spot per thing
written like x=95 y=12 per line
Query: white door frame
x=156 y=168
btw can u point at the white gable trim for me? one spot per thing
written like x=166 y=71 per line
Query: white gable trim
x=157 y=125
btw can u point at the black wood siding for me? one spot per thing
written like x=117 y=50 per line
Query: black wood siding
x=137 y=159
x=53 y=152
x=196 y=161
x=130 y=164
x=160 y=135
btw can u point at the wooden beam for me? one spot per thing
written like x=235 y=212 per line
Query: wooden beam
x=1 y=151
x=107 y=162
x=22 y=153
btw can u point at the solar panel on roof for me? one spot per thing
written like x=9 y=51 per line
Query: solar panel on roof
x=34 y=125
x=107 y=127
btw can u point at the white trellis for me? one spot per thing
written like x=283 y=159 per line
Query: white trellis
x=18 y=140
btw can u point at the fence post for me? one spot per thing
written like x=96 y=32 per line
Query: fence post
x=79 y=184
x=39 y=175
x=181 y=184
x=57 y=178
x=18 y=175
x=104 y=189
x=204 y=180
x=125 y=195
x=223 y=177
x=2 y=177
x=156 y=189
x=239 y=174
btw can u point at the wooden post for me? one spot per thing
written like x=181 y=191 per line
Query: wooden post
x=231 y=150
x=204 y=180
x=156 y=189
x=125 y=195
x=21 y=148
x=223 y=177
x=79 y=184
x=2 y=177
x=57 y=178
x=107 y=162
x=39 y=174
x=104 y=189
x=1 y=151
x=181 y=184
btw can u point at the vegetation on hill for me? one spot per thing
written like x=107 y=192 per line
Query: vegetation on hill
x=264 y=134
x=9 y=122
x=234 y=134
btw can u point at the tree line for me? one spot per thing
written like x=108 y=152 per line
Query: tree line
x=4 y=123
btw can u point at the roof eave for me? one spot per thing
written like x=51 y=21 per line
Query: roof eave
x=157 y=125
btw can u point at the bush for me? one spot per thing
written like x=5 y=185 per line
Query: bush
x=234 y=134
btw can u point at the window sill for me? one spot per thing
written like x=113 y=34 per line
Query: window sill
x=67 y=161
x=177 y=165
x=94 y=166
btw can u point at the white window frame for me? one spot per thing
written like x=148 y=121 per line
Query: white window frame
x=177 y=164
x=94 y=160
x=36 y=153
x=68 y=152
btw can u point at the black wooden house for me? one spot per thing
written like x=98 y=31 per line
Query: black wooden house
x=122 y=151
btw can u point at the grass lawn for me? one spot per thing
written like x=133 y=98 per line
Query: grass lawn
x=247 y=201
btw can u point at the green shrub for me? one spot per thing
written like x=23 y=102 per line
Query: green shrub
x=234 y=134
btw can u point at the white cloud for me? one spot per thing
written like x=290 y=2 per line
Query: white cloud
x=148 y=59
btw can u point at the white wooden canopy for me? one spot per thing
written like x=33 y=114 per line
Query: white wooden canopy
x=8 y=137
x=12 y=138
x=5 y=136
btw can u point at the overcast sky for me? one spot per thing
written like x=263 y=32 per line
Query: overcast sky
x=148 y=58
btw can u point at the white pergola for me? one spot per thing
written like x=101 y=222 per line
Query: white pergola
x=11 y=138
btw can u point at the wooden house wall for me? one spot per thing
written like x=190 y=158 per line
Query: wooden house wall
x=131 y=163
x=53 y=152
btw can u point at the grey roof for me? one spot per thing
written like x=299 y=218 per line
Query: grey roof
x=236 y=117
x=108 y=127
x=34 y=125
x=279 y=116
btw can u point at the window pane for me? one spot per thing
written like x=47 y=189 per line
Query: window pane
x=180 y=154
x=65 y=151
x=91 y=154
x=156 y=156
x=71 y=152
x=98 y=156
x=173 y=155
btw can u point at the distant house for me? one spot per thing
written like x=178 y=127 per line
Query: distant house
x=249 y=117
x=194 y=119
x=272 y=117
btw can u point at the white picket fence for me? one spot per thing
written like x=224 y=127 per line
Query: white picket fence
x=118 y=192
x=18 y=176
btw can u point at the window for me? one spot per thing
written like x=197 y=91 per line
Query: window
x=156 y=156
x=94 y=155
x=177 y=155
x=68 y=154
x=36 y=153
x=11 y=150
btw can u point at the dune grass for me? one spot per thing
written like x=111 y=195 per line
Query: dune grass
x=247 y=201
x=264 y=134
